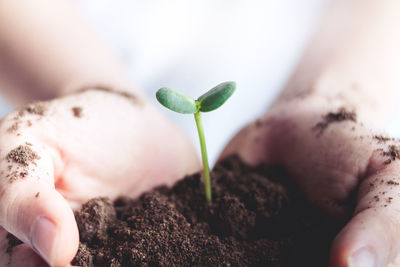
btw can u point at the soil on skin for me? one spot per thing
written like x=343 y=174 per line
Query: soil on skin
x=392 y=153
x=23 y=155
x=341 y=115
x=39 y=109
x=77 y=112
x=383 y=139
x=257 y=218
x=19 y=160
x=12 y=242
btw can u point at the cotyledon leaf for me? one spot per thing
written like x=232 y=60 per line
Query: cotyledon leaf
x=217 y=96
x=176 y=101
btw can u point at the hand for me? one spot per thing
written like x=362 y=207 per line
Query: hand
x=63 y=152
x=346 y=168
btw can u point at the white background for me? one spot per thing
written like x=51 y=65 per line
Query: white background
x=193 y=45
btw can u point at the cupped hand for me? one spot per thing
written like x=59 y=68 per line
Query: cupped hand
x=345 y=167
x=63 y=152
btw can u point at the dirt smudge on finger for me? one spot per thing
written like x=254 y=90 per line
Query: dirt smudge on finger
x=23 y=155
x=77 y=112
x=14 y=127
x=383 y=139
x=332 y=117
x=392 y=153
x=391 y=182
x=12 y=242
x=38 y=108
x=19 y=160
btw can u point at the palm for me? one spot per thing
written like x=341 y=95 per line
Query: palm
x=99 y=143
x=346 y=170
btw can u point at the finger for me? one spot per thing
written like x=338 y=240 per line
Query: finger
x=23 y=255
x=30 y=207
x=252 y=143
x=12 y=254
x=4 y=256
x=371 y=238
x=395 y=262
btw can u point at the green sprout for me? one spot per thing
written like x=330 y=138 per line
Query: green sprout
x=209 y=101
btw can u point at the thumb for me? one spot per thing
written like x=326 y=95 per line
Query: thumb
x=31 y=208
x=371 y=237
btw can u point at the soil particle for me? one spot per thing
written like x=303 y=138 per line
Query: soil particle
x=391 y=182
x=14 y=127
x=38 y=108
x=77 y=112
x=376 y=198
x=93 y=229
x=389 y=200
x=388 y=161
x=23 y=155
x=383 y=139
x=393 y=153
x=341 y=115
x=258 y=123
x=258 y=218
x=131 y=97
x=12 y=242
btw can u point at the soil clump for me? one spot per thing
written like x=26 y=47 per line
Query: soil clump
x=258 y=217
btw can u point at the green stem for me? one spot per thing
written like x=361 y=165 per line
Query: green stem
x=207 y=181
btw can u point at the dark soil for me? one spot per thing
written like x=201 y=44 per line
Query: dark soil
x=383 y=139
x=23 y=155
x=12 y=242
x=341 y=115
x=77 y=112
x=38 y=108
x=19 y=160
x=257 y=218
x=392 y=153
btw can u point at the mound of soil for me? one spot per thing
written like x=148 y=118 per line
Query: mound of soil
x=257 y=218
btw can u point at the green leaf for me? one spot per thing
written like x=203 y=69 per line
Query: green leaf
x=176 y=101
x=217 y=96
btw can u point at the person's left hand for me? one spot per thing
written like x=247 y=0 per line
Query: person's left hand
x=345 y=167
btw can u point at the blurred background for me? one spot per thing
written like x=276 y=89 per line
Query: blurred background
x=192 y=46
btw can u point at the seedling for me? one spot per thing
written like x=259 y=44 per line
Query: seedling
x=209 y=101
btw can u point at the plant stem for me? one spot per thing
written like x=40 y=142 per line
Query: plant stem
x=206 y=170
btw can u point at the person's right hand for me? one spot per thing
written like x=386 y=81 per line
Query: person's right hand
x=68 y=150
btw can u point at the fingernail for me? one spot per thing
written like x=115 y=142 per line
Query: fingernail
x=44 y=235
x=362 y=258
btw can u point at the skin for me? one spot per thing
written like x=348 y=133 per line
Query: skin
x=118 y=146
x=345 y=66
x=83 y=157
